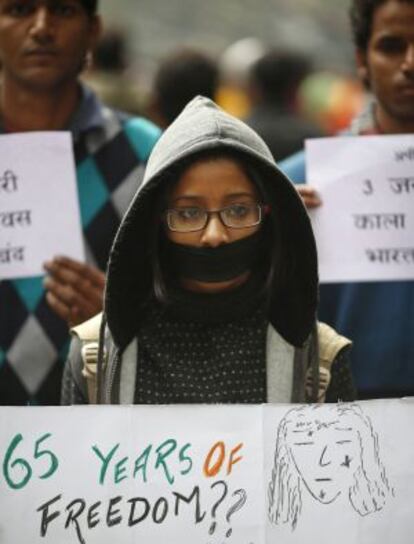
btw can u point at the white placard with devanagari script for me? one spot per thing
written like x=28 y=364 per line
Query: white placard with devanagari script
x=39 y=206
x=365 y=226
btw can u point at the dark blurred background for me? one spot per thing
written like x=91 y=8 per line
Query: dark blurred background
x=234 y=33
x=319 y=27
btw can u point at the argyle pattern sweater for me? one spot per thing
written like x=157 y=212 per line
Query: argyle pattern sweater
x=110 y=158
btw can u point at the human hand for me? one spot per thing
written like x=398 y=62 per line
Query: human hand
x=74 y=289
x=308 y=195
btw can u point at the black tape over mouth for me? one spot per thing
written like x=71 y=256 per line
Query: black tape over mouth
x=214 y=264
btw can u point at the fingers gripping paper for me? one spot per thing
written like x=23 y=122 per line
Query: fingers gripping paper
x=213 y=475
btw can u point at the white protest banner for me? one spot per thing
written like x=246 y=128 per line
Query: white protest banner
x=365 y=226
x=157 y=475
x=39 y=208
x=208 y=474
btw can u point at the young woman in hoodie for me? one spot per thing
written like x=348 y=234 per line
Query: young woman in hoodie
x=212 y=285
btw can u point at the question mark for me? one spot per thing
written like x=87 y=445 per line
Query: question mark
x=217 y=504
x=238 y=505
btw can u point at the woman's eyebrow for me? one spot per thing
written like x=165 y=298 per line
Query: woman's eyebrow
x=346 y=429
x=230 y=196
x=187 y=197
x=240 y=195
x=189 y=200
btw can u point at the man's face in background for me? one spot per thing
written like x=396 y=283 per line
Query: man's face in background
x=387 y=65
x=43 y=43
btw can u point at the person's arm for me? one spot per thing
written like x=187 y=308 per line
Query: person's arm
x=74 y=289
x=341 y=387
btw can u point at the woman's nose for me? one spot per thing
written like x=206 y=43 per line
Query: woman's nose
x=215 y=233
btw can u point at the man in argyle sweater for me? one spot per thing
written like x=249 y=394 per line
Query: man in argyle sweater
x=44 y=45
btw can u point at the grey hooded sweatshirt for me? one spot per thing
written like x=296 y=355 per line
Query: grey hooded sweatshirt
x=291 y=350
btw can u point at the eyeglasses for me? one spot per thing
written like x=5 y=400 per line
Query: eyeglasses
x=236 y=216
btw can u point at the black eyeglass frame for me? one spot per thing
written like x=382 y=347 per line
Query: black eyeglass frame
x=263 y=210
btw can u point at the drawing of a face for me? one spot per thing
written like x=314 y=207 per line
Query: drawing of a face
x=330 y=450
x=326 y=454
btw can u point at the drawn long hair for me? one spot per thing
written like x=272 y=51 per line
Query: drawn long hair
x=284 y=491
x=370 y=488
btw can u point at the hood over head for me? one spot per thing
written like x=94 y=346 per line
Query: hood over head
x=202 y=127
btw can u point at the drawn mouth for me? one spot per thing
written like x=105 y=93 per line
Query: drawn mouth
x=323 y=479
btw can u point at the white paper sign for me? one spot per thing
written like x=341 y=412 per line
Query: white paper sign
x=155 y=475
x=208 y=474
x=365 y=226
x=39 y=207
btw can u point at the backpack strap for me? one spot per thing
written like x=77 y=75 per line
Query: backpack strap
x=330 y=343
x=88 y=334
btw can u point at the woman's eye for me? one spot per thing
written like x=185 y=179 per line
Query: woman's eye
x=238 y=210
x=187 y=214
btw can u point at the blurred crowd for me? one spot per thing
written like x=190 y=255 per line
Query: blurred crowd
x=250 y=79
